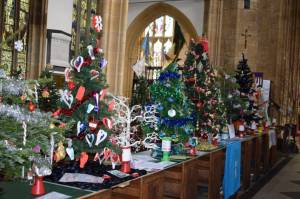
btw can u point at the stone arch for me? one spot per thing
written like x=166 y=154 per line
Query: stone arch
x=139 y=24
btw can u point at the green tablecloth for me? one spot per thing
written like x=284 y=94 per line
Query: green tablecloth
x=22 y=190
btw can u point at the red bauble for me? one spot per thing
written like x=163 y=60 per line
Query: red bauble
x=198 y=89
x=199 y=105
x=31 y=106
x=71 y=85
x=87 y=61
x=205 y=136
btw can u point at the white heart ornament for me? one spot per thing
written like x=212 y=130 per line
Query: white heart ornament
x=70 y=152
x=77 y=63
x=101 y=136
x=90 y=139
x=91 y=51
x=66 y=97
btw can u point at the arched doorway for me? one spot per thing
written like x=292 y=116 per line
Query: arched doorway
x=137 y=27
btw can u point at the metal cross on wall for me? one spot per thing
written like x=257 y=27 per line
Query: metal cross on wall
x=246 y=35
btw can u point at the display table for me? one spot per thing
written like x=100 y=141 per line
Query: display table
x=182 y=178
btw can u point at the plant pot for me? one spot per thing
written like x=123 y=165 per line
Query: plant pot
x=38 y=186
x=166 y=148
x=126 y=158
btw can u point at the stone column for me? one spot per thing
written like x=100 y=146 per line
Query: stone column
x=37 y=37
x=115 y=14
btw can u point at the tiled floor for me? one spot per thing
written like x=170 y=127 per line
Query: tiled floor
x=285 y=184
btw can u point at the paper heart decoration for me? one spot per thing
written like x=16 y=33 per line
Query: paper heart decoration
x=91 y=51
x=90 y=139
x=83 y=159
x=80 y=127
x=107 y=122
x=103 y=62
x=93 y=125
x=66 y=97
x=67 y=74
x=111 y=105
x=77 y=63
x=70 y=152
x=90 y=108
x=101 y=136
x=102 y=94
x=106 y=152
x=96 y=157
x=94 y=74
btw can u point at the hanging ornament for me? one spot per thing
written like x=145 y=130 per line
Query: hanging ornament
x=204 y=136
x=19 y=45
x=172 y=113
x=97 y=23
x=93 y=125
x=199 y=105
x=81 y=127
x=111 y=105
x=66 y=97
x=45 y=93
x=71 y=85
x=107 y=122
x=67 y=74
x=90 y=108
x=80 y=93
x=90 y=139
x=102 y=94
x=60 y=152
x=83 y=159
x=114 y=158
x=170 y=99
x=94 y=74
x=90 y=49
x=96 y=99
x=31 y=106
x=77 y=63
x=70 y=150
x=101 y=136
x=103 y=62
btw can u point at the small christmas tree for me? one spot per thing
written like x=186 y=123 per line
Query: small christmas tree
x=173 y=107
x=244 y=76
x=203 y=89
x=84 y=99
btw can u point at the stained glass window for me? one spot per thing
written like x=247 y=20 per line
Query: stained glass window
x=161 y=32
x=15 y=27
x=246 y=4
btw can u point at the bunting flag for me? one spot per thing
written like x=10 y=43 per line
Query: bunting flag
x=145 y=47
x=178 y=40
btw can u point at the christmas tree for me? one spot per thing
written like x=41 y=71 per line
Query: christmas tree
x=235 y=105
x=203 y=89
x=173 y=107
x=84 y=100
x=244 y=76
x=48 y=95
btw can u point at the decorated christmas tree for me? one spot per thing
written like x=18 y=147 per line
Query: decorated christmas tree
x=173 y=107
x=203 y=89
x=244 y=77
x=84 y=100
x=235 y=105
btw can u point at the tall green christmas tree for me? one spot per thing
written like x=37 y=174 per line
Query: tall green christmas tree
x=174 y=108
x=84 y=100
x=203 y=89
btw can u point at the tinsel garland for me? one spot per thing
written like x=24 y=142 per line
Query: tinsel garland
x=13 y=87
x=20 y=114
x=168 y=75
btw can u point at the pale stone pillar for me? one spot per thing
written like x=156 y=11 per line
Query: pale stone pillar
x=115 y=14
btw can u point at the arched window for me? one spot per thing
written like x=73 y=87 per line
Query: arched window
x=160 y=33
x=14 y=27
x=83 y=10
